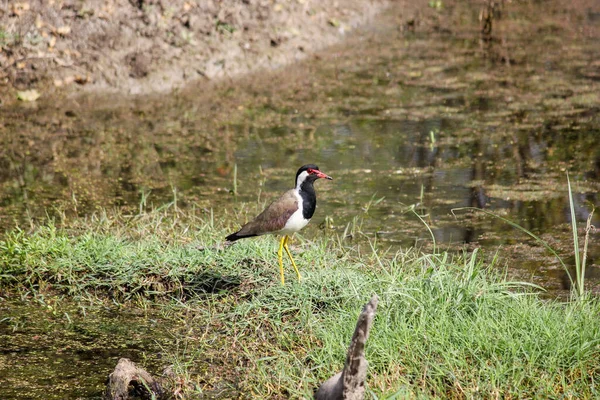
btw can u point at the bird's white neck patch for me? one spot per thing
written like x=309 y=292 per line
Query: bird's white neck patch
x=301 y=179
x=296 y=220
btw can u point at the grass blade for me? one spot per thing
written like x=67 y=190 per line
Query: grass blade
x=578 y=271
x=412 y=208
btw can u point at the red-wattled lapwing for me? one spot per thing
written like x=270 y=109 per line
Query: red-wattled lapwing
x=286 y=215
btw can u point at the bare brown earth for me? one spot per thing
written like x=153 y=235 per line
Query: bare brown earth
x=143 y=46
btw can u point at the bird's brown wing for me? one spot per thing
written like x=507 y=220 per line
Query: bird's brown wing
x=273 y=218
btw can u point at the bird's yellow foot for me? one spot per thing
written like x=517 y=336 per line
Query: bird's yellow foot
x=280 y=259
x=287 y=250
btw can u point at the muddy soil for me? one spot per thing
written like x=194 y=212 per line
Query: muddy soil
x=143 y=46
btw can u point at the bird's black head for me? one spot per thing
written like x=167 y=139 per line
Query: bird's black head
x=309 y=172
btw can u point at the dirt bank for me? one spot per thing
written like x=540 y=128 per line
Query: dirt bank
x=142 y=46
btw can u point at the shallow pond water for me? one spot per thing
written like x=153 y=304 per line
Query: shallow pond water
x=440 y=117
x=427 y=113
x=67 y=354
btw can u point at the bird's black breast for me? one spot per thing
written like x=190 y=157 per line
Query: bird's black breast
x=309 y=199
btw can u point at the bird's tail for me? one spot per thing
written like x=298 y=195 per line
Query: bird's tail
x=236 y=236
x=233 y=237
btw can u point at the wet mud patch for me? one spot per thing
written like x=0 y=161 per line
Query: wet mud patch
x=536 y=188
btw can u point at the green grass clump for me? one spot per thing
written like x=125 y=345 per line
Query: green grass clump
x=447 y=326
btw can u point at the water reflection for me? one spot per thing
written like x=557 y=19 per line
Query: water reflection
x=396 y=160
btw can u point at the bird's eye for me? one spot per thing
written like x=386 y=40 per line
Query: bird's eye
x=310 y=171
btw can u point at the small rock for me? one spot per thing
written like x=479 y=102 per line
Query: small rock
x=28 y=95
x=63 y=30
x=139 y=64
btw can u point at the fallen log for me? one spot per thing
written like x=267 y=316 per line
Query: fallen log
x=128 y=381
x=350 y=383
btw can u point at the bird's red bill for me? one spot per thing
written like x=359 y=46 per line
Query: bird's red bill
x=322 y=175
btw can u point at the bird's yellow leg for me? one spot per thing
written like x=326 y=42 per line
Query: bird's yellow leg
x=280 y=258
x=287 y=250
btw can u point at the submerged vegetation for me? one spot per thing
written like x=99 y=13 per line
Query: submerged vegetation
x=580 y=254
x=450 y=326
